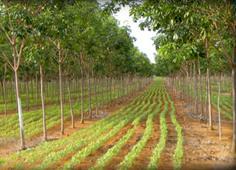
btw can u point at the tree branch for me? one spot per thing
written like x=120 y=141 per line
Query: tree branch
x=4 y=56
x=19 y=54
x=7 y=35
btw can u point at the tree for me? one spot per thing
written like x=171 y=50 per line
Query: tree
x=16 y=25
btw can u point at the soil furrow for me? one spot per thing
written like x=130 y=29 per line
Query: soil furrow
x=127 y=147
x=202 y=147
x=92 y=158
x=167 y=154
x=143 y=159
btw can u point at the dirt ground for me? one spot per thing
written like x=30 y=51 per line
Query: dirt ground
x=202 y=147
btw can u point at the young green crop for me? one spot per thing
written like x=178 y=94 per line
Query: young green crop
x=55 y=156
x=179 y=151
x=78 y=157
x=29 y=157
x=103 y=161
x=154 y=160
x=130 y=157
x=74 y=141
x=33 y=122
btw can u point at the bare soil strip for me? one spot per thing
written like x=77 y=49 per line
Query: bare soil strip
x=86 y=162
x=127 y=147
x=143 y=159
x=202 y=147
x=167 y=154
x=91 y=159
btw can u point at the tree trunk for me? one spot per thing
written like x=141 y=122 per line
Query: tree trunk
x=4 y=89
x=208 y=87
x=36 y=88
x=42 y=102
x=218 y=107
x=110 y=88
x=20 y=115
x=71 y=107
x=234 y=95
x=32 y=91
x=102 y=90
x=61 y=99
x=27 y=94
x=82 y=99
x=82 y=88
x=13 y=90
x=200 y=87
x=107 y=88
x=60 y=89
x=196 y=87
x=96 y=95
x=89 y=96
x=206 y=98
x=123 y=85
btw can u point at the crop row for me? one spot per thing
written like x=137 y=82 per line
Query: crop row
x=156 y=153
x=48 y=147
x=78 y=146
x=179 y=151
x=94 y=145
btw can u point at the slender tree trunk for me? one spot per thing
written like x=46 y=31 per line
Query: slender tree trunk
x=82 y=99
x=187 y=84
x=36 y=88
x=71 y=107
x=107 y=88
x=208 y=87
x=102 y=89
x=82 y=88
x=123 y=85
x=200 y=88
x=110 y=89
x=42 y=102
x=13 y=90
x=20 y=115
x=89 y=96
x=61 y=99
x=196 y=88
x=218 y=107
x=32 y=91
x=4 y=89
x=206 y=98
x=127 y=85
x=4 y=96
x=233 y=92
x=27 y=94
x=60 y=88
x=118 y=87
x=96 y=95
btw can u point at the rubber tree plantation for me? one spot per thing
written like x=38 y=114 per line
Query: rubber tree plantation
x=77 y=93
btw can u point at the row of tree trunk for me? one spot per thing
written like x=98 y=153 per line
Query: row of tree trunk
x=31 y=94
x=68 y=91
x=198 y=90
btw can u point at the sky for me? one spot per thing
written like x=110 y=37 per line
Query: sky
x=143 y=38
